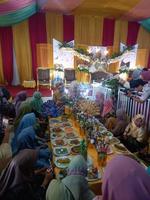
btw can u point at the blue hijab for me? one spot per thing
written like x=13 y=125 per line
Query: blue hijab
x=28 y=119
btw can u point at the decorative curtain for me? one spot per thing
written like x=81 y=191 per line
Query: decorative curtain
x=133 y=29
x=116 y=42
x=44 y=55
x=88 y=30
x=123 y=31
x=68 y=28
x=1 y=68
x=6 y=39
x=54 y=27
x=16 y=80
x=37 y=30
x=22 y=50
x=143 y=39
x=108 y=32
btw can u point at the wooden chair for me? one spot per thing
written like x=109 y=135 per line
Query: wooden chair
x=43 y=77
x=69 y=75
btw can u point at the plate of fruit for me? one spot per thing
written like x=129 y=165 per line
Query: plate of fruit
x=61 y=151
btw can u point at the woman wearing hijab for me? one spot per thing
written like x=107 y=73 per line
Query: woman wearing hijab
x=36 y=102
x=99 y=99
x=145 y=75
x=20 y=97
x=29 y=138
x=134 y=134
x=5 y=148
x=25 y=108
x=117 y=125
x=74 y=186
x=28 y=119
x=17 y=179
x=125 y=179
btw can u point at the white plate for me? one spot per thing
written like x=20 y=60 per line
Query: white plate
x=56 y=151
x=62 y=165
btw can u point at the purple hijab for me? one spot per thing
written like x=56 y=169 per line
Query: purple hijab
x=18 y=171
x=125 y=179
x=20 y=97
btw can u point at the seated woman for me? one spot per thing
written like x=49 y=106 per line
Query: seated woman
x=125 y=179
x=74 y=186
x=18 y=181
x=134 y=134
x=20 y=97
x=37 y=102
x=32 y=138
x=24 y=108
x=117 y=125
x=28 y=119
x=5 y=148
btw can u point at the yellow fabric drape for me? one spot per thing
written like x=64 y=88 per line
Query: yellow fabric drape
x=23 y=50
x=143 y=39
x=44 y=55
x=116 y=43
x=88 y=30
x=123 y=31
x=54 y=27
x=142 y=57
x=1 y=68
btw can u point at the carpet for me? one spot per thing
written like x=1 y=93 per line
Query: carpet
x=46 y=92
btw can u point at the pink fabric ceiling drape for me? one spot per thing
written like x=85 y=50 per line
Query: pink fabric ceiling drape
x=108 y=32
x=6 y=38
x=68 y=27
x=133 y=28
x=37 y=30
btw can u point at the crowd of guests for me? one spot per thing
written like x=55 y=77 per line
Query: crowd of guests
x=26 y=166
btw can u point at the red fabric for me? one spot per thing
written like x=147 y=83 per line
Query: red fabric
x=37 y=30
x=15 y=89
x=133 y=29
x=68 y=27
x=6 y=39
x=108 y=32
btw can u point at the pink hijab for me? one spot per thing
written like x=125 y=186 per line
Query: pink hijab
x=125 y=179
x=108 y=107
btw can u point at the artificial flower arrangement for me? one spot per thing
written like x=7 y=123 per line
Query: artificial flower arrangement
x=83 y=68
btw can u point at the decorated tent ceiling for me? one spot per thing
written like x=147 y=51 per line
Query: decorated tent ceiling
x=14 y=11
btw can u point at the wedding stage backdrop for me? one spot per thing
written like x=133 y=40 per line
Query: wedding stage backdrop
x=41 y=28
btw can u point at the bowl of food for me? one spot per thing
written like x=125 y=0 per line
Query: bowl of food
x=75 y=141
x=70 y=135
x=59 y=142
x=57 y=135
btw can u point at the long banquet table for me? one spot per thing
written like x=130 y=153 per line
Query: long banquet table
x=94 y=185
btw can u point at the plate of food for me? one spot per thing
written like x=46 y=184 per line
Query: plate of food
x=93 y=174
x=57 y=135
x=61 y=151
x=68 y=130
x=114 y=140
x=120 y=148
x=57 y=129
x=62 y=162
x=59 y=142
x=70 y=135
x=66 y=124
x=75 y=141
x=54 y=121
x=75 y=150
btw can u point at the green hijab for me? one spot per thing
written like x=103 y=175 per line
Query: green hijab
x=37 y=102
x=25 y=108
x=74 y=186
